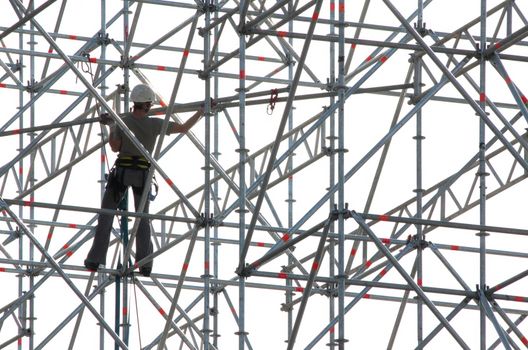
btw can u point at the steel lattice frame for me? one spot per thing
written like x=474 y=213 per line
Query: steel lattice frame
x=330 y=221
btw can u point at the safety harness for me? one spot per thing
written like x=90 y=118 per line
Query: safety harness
x=132 y=162
x=137 y=163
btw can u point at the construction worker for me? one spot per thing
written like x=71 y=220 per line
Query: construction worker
x=130 y=170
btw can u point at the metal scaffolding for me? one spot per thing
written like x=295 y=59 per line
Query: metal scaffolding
x=357 y=183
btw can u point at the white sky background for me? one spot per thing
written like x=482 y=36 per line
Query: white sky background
x=451 y=132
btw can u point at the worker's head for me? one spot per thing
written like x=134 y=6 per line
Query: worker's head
x=143 y=97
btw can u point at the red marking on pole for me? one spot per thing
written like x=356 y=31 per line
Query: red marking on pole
x=261 y=58
x=281 y=33
x=161 y=68
x=369 y=58
x=498 y=45
x=353 y=252
x=386 y=240
x=290 y=177
x=135 y=58
x=455 y=247
x=50 y=51
x=353 y=45
x=299 y=289
x=15 y=132
x=20 y=170
x=185 y=266
x=162 y=103
x=185 y=53
x=419 y=282
x=482 y=97
x=524 y=340
x=161 y=311
x=499 y=287
x=332 y=6
x=383 y=272
x=125 y=311
x=518 y=298
x=242 y=74
x=2 y=269
x=366 y=296
x=368 y=263
x=66 y=246
x=169 y=182
x=285 y=238
x=63 y=92
x=282 y=275
x=383 y=59
x=315 y=265
x=19 y=341
x=260 y=244
x=233 y=310
x=332 y=329
x=315 y=16
x=92 y=60
x=69 y=253
x=50 y=236
x=28 y=203
x=524 y=99
x=103 y=158
x=508 y=80
x=2 y=85
x=383 y=218
x=72 y=225
x=233 y=129
x=72 y=37
x=342 y=7
x=206 y=265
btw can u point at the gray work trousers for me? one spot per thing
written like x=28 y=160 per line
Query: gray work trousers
x=119 y=181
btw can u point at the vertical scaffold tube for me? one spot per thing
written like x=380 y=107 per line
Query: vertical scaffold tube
x=207 y=182
x=341 y=177
x=242 y=180
x=31 y=176
x=482 y=172
x=419 y=229
x=216 y=154
x=21 y=178
x=289 y=284
x=331 y=146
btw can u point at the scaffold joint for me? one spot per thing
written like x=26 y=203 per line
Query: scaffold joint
x=15 y=67
x=32 y=87
x=328 y=151
x=126 y=62
x=244 y=272
x=421 y=29
x=335 y=213
x=103 y=39
x=416 y=242
x=13 y=235
x=204 y=221
x=208 y=6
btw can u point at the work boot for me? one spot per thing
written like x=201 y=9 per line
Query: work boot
x=91 y=265
x=145 y=271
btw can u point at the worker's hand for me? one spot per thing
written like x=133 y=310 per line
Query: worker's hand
x=106 y=119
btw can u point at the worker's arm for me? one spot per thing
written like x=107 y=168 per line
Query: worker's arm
x=114 y=140
x=182 y=128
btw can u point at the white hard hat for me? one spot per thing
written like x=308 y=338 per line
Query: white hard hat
x=142 y=93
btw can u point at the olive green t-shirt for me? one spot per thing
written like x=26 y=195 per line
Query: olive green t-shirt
x=145 y=129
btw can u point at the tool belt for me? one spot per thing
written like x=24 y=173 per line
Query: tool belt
x=133 y=162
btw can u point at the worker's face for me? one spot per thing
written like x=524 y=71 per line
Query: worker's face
x=147 y=106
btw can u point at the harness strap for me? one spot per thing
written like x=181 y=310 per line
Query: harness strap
x=133 y=162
